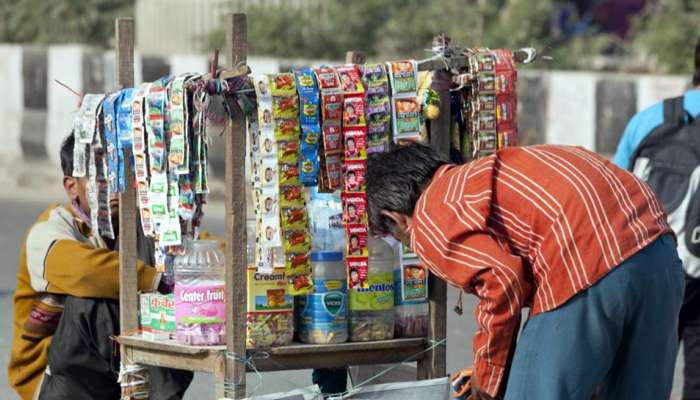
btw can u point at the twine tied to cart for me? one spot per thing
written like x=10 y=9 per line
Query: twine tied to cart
x=433 y=344
x=229 y=386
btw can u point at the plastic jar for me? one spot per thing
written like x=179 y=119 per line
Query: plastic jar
x=371 y=310
x=323 y=315
x=200 y=294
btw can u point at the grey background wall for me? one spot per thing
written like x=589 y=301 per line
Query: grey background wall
x=581 y=108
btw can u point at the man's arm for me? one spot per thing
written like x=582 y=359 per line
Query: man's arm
x=62 y=265
x=451 y=239
x=477 y=263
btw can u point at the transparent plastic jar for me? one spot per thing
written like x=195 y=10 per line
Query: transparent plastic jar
x=371 y=310
x=323 y=315
x=200 y=294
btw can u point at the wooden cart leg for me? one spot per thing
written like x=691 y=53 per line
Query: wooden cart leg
x=220 y=378
x=433 y=365
x=235 y=252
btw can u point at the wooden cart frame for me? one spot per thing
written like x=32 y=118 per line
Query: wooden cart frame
x=229 y=363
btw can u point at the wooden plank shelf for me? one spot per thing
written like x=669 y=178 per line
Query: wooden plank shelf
x=168 y=353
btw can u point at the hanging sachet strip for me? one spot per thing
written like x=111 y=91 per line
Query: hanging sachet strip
x=506 y=98
x=296 y=240
x=331 y=133
x=83 y=131
x=266 y=198
x=485 y=123
x=309 y=115
x=104 y=215
x=403 y=76
x=109 y=125
x=354 y=196
x=177 y=146
x=378 y=110
x=124 y=131
x=139 y=149
x=155 y=127
x=186 y=206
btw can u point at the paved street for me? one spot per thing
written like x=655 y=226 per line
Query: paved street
x=17 y=211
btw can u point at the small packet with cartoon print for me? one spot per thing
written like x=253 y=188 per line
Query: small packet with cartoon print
x=355 y=171
x=355 y=143
x=296 y=241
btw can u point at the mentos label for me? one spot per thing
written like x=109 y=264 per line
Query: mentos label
x=323 y=315
x=378 y=295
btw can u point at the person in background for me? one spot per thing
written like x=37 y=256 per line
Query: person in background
x=638 y=129
x=580 y=242
x=66 y=305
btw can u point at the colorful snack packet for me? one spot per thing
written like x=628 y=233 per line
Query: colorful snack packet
x=354 y=208
x=357 y=268
x=86 y=120
x=355 y=171
x=350 y=80
x=327 y=78
x=294 y=218
x=332 y=139
x=353 y=112
x=296 y=241
x=332 y=106
x=287 y=129
x=289 y=174
x=291 y=196
x=357 y=235
x=309 y=167
x=356 y=143
x=285 y=106
x=287 y=151
x=404 y=77
x=282 y=85
x=406 y=117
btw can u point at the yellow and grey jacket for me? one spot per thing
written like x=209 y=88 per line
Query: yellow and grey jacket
x=59 y=257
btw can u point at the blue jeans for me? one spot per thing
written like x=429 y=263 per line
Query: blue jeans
x=618 y=338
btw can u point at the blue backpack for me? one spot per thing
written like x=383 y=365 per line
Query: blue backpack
x=668 y=159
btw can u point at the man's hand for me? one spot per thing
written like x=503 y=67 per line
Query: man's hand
x=464 y=389
x=462 y=384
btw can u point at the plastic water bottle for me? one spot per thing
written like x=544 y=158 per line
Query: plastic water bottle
x=200 y=294
x=371 y=310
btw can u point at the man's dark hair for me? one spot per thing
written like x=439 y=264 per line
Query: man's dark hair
x=67 y=155
x=352 y=205
x=395 y=181
x=696 y=74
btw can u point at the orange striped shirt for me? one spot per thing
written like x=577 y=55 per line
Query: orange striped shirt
x=529 y=227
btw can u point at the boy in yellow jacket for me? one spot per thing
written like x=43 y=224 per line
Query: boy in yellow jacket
x=65 y=304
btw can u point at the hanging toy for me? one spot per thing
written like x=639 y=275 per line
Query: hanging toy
x=431 y=105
